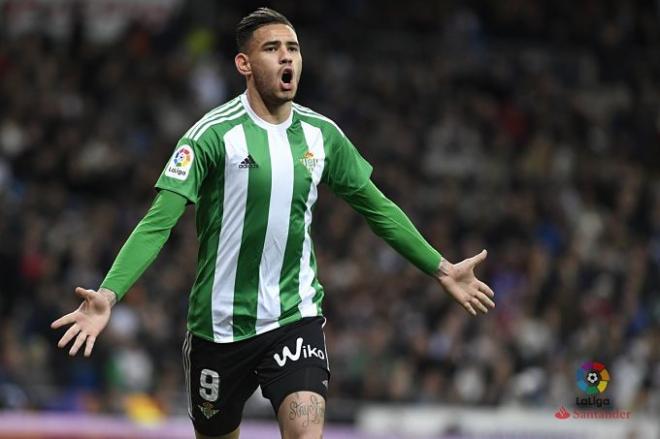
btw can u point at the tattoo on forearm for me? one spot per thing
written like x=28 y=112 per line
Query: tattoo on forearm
x=312 y=412
x=110 y=295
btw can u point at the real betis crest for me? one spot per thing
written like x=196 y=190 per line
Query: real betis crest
x=207 y=410
x=309 y=161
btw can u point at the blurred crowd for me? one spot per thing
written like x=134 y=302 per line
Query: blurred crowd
x=531 y=129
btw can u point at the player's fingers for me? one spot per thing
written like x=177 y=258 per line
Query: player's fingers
x=84 y=293
x=76 y=344
x=480 y=306
x=484 y=288
x=485 y=299
x=90 y=345
x=68 y=335
x=469 y=308
x=64 y=320
x=478 y=258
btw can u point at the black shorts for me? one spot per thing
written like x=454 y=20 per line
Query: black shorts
x=220 y=377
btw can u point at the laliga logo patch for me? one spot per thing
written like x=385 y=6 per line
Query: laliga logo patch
x=179 y=165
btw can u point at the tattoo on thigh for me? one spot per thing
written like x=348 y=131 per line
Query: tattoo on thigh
x=311 y=412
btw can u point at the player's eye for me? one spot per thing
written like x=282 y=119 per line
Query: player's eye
x=293 y=49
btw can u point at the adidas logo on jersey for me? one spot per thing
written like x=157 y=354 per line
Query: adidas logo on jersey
x=248 y=162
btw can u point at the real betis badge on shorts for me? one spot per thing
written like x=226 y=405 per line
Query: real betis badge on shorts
x=179 y=166
x=207 y=410
x=309 y=161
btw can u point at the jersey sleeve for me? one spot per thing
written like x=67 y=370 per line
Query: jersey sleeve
x=144 y=244
x=389 y=222
x=188 y=166
x=346 y=171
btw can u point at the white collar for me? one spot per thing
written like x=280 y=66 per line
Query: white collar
x=262 y=123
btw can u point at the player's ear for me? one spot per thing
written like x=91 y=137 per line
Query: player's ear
x=242 y=63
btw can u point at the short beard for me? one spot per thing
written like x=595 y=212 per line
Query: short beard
x=268 y=95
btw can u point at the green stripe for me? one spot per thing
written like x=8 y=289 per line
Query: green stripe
x=318 y=297
x=290 y=275
x=199 y=312
x=254 y=233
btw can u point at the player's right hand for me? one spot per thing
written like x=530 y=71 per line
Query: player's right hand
x=86 y=322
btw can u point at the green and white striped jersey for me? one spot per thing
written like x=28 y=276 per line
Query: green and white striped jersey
x=254 y=185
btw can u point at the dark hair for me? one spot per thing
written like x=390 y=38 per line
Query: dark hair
x=253 y=21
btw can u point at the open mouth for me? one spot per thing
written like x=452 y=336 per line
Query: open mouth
x=287 y=76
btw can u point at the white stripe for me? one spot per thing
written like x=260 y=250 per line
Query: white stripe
x=228 y=111
x=228 y=106
x=314 y=139
x=303 y=108
x=307 y=112
x=190 y=404
x=209 y=114
x=325 y=346
x=216 y=121
x=224 y=109
x=308 y=308
x=277 y=229
x=186 y=370
x=229 y=242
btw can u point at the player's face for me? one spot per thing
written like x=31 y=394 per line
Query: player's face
x=276 y=63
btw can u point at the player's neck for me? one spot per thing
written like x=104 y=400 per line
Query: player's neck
x=275 y=114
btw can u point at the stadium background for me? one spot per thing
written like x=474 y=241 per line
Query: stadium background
x=529 y=128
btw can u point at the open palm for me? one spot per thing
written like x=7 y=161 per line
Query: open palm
x=461 y=283
x=87 y=321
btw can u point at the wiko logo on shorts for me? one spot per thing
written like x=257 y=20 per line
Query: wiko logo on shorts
x=306 y=351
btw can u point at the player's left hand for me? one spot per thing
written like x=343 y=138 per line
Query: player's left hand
x=461 y=283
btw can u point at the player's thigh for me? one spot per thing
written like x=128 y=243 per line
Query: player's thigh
x=219 y=379
x=302 y=415
x=294 y=375
x=296 y=361
x=233 y=435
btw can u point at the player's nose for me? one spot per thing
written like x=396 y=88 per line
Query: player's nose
x=285 y=57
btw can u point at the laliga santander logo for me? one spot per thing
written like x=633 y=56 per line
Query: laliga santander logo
x=592 y=377
x=562 y=413
x=182 y=158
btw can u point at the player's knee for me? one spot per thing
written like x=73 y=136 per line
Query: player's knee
x=302 y=432
x=303 y=435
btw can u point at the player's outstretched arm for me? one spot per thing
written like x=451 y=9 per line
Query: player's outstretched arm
x=138 y=252
x=87 y=321
x=389 y=222
x=461 y=283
